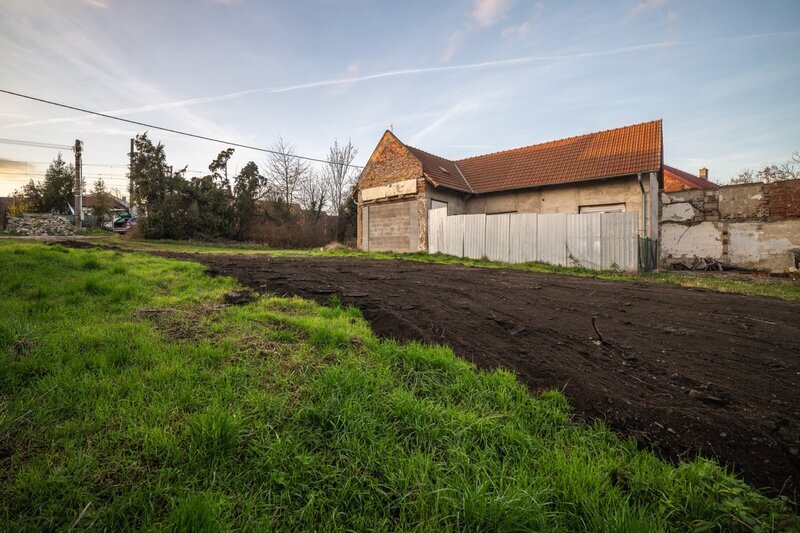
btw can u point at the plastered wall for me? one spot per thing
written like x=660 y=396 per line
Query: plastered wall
x=753 y=226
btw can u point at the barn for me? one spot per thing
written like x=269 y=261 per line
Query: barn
x=615 y=170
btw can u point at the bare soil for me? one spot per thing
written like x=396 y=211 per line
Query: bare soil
x=683 y=371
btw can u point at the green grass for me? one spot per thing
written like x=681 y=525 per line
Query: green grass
x=131 y=399
x=786 y=291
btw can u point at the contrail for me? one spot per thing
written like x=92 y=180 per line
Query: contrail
x=410 y=72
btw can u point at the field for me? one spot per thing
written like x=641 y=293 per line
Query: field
x=133 y=396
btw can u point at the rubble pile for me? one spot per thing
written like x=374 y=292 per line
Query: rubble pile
x=32 y=225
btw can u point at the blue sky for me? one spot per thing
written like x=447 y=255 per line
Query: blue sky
x=454 y=78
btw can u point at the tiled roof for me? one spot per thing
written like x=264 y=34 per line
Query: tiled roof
x=693 y=182
x=440 y=170
x=616 y=152
x=89 y=200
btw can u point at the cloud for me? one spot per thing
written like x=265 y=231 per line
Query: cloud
x=488 y=12
x=454 y=42
x=101 y=4
x=500 y=63
x=646 y=5
x=11 y=165
x=457 y=110
x=520 y=30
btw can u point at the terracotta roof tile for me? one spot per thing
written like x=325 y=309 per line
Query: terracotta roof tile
x=616 y=152
x=442 y=171
x=693 y=182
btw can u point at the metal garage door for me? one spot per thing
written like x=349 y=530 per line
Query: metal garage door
x=391 y=227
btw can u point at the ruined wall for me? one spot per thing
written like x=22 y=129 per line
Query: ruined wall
x=752 y=226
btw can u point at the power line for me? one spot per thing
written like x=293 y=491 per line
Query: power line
x=178 y=132
x=35 y=143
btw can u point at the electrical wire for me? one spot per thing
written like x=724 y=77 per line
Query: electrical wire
x=170 y=130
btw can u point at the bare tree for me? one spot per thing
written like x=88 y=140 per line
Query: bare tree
x=313 y=194
x=339 y=176
x=284 y=172
x=771 y=173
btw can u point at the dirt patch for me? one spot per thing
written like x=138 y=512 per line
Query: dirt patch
x=684 y=371
x=180 y=324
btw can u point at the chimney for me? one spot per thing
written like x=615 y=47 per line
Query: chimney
x=704 y=173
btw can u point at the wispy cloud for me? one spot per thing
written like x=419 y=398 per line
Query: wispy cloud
x=518 y=30
x=647 y=5
x=454 y=42
x=96 y=3
x=494 y=64
x=488 y=12
x=457 y=110
x=11 y=165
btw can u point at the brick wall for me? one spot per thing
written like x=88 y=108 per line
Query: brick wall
x=390 y=162
x=782 y=199
x=673 y=185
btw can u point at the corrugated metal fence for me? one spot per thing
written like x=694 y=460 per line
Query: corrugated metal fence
x=594 y=240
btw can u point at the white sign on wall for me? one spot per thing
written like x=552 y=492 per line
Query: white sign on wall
x=388 y=191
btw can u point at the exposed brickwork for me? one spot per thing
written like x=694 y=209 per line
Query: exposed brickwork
x=672 y=184
x=782 y=199
x=390 y=162
x=676 y=179
x=422 y=201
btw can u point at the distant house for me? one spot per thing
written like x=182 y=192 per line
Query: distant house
x=89 y=201
x=615 y=170
x=677 y=180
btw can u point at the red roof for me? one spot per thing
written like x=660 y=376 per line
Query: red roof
x=441 y=171
x=690 y=180
x=88 y=200
x=617 y=152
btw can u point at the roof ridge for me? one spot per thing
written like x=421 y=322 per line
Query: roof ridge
x=555 y=141
x=463 y=177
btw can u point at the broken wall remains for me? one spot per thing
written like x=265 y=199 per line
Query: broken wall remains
x=753 y=226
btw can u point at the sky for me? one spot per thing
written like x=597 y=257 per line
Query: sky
x=456 y=78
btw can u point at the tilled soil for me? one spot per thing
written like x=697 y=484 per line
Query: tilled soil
x=684 y=371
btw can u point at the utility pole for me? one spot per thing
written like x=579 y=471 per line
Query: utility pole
x=130 y=178
x=78 y=184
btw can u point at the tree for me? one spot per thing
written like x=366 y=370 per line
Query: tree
x=246 y=187
x=789 y=170
x=284 y=172
x=150 y=175
x=313 y=195
x=339 y=176
x=102 y=202
x=347 y=217
x=219 y=168
x=56 y=191
x=159 y=195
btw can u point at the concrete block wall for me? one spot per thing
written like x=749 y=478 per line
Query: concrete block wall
x=753 y=226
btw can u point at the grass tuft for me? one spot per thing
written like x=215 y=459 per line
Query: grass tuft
x=213 y=434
